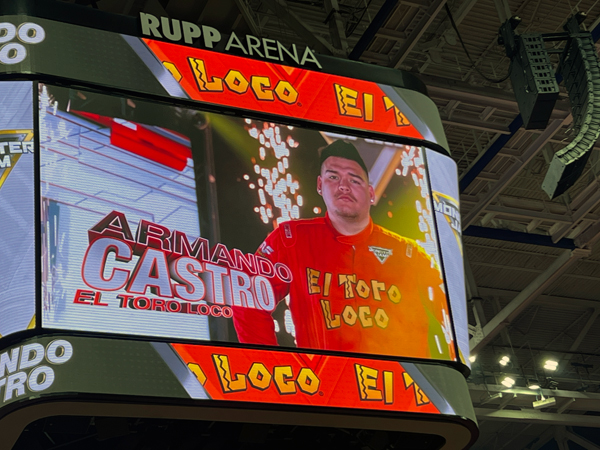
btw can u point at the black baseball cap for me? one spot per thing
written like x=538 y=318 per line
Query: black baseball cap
x=343 y=149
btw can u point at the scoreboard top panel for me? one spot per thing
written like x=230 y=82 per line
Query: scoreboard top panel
x=161 y=57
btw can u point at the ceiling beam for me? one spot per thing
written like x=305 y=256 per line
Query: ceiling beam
x=570 y=435
x=525 y=297
x=542 y=439
x=373 y=29
x=584 y=331
x=393 y=35
x=503 y=10
x=488 y=176
x=560 y=438
x=509 y=443
x=474 y=124
x=477 y=390
x=458 y=15
x=515 y=436
x=336 y=25
x=483 y=159
x=449 y=88
x=510 y=205
x=471 y=285
x=418 y=30
x=282 y=10
x=589 y=237
x=512 y=172
x=445 y=32
x=549 y=300
x=248 y=16
x=563 y=333
x=565 y=404
x=522 y=213
x=484 y=96
x=503 y=334
x=379 y=58
x=506 y=401
x=588 y=200
x=538 y=417
x=517 y=236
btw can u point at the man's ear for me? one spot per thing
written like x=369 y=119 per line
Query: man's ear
x=319 y=185
x=372 y=193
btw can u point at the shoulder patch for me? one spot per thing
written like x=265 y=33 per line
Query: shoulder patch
x=265 y=249
x=382 y=254
x=287 y=230
x=413 y=249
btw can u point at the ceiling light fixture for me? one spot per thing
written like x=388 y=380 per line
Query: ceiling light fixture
x=550 y=365
x=533 y=384
x=504 y=360
x=472 y=358
x=544 y=403
x=508 y=382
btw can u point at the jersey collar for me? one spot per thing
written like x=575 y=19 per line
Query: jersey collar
x=352 y=239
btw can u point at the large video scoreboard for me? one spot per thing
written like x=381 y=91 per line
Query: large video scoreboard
x=228 y=220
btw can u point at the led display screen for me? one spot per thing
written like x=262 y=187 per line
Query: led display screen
x=17 y=246
x=166 y=221
x=235 y=374
x=282 y=90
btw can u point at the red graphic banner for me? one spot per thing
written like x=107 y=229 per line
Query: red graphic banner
x=283 y=90
x=304 y=379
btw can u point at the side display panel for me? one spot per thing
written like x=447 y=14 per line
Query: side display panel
x=292 y=237
x=17 y=246
x=444 y=186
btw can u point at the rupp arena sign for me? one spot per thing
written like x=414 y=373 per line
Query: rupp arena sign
x=177 y=31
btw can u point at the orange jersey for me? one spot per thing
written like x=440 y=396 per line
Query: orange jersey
x=374 y=292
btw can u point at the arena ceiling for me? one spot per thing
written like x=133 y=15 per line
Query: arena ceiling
x=532 y=264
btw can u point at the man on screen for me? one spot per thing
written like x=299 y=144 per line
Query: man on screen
x=357 y=287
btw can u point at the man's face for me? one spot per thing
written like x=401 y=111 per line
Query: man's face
x=345 y=188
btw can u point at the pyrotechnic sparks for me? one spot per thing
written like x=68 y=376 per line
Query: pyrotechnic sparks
x=277 y=189
x=413 y=165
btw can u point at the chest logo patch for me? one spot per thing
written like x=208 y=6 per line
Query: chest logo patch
x=380 y=253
